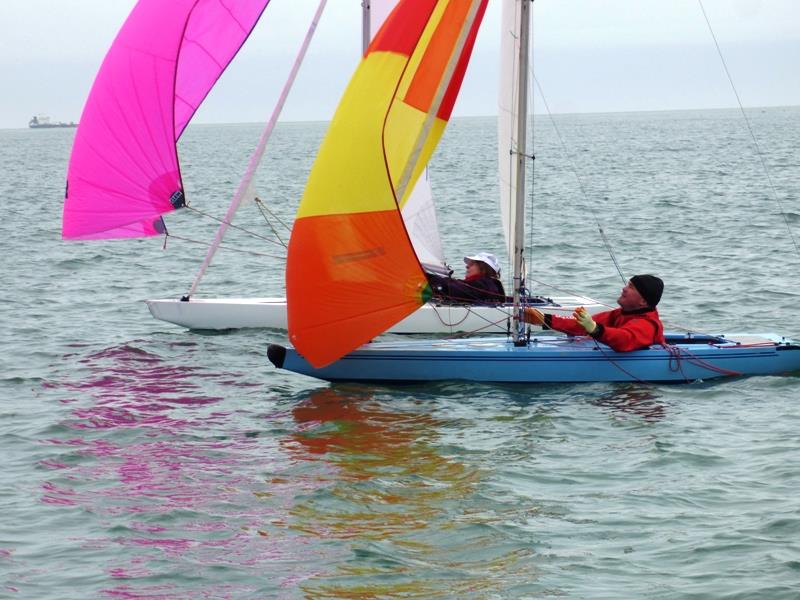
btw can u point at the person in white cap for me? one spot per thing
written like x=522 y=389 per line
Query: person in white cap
x=481 y=285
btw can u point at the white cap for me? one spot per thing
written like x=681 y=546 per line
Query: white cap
x=485 y=257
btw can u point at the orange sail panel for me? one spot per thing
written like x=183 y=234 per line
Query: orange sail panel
x=351 y=271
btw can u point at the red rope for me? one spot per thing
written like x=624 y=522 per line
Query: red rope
x=676 y=358
x=695 y=360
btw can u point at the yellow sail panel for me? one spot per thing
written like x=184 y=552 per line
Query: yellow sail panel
x=331 y=186
x=351 y=271
x=349 y=174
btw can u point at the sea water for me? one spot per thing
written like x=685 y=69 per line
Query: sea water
x=141 y=460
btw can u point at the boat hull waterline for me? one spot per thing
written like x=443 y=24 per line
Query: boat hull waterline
x=554 y=359
x=240 y=313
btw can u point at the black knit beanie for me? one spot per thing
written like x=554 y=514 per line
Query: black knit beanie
x=650 y=287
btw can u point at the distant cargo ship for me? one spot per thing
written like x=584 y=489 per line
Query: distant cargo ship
x=43 y=122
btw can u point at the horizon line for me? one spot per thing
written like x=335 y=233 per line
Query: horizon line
x=483 y=116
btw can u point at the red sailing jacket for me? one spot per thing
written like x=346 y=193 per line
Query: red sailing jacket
x=621 y=331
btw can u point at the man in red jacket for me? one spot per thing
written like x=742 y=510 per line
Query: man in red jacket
x=632 y=326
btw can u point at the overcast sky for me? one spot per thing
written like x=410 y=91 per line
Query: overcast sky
x=590 y=56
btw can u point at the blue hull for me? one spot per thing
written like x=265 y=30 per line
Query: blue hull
x=553 y=360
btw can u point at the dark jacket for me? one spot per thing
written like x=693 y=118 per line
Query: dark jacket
x=482 y=290
x=621 y=331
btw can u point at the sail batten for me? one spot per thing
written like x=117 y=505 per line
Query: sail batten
x=352 y=271
x=124 y=166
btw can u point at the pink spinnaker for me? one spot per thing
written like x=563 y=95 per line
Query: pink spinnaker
x=124 y=171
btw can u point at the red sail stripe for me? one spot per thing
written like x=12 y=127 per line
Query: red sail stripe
x=430 y=71
x=414 y=17
x=449 y=100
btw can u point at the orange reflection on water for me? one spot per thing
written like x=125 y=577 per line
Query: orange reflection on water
x=393 y=497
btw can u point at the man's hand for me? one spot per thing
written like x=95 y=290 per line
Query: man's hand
x=532 y=316
x=584 y=319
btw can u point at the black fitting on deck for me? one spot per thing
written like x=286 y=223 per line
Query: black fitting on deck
x=276 y=354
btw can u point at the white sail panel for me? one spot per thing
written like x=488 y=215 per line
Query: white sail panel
x=507 y=116
x=419 y=215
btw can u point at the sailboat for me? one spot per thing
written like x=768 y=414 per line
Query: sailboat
x=384 y=131
x=124 y=173
x=419 y=216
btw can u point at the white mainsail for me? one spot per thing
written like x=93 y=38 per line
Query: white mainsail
x=508 y=117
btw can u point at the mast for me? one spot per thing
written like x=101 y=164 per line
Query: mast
x=366 y=34
x=518 y=224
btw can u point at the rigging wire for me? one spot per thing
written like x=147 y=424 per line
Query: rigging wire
x=569 y=292
x=229 y=224
x=574 y=169
x=262 y=208
x=232 y=249
x=532 y=155
x=749 y=128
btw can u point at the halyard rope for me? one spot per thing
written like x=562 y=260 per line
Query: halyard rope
x=750 y=129
x=574 y=169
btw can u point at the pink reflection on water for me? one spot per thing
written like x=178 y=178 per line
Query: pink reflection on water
x=170 y=545
x=130 y=387
x=54 y=494
x=166 y=592
x=147 y=528
x=155 y=476
x=129 y=572
x=126 y=592
x=176 y=482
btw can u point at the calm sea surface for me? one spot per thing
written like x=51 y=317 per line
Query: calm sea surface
x=141 y=460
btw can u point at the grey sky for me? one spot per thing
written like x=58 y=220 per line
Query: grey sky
x=590 y=56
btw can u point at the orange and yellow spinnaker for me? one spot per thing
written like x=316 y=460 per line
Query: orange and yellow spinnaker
x=351 y=271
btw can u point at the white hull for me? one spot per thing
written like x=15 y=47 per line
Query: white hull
x=238 y=313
